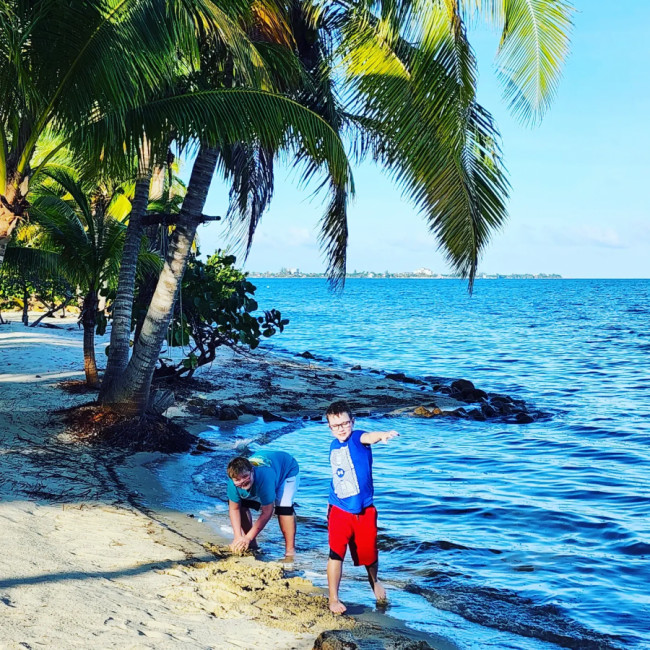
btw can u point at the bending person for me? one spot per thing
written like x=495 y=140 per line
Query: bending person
x=267 y=482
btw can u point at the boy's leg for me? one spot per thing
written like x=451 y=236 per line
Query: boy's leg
x=365 y=537
x=339 y=532
x=286 y=516
x=288 y=528
x=334 y=573
x=376 y=586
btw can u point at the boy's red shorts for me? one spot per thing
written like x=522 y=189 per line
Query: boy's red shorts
x=357 y=531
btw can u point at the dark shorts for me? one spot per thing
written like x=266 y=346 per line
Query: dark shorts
x=359 y=532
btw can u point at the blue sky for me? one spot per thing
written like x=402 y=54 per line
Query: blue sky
x=579 y=203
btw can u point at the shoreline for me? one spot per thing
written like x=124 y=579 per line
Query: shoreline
x=93 y=555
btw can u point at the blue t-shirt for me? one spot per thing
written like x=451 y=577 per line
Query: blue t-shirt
x=271 y=469
x=351 y=488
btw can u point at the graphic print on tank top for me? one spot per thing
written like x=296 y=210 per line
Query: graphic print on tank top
x=343 y=474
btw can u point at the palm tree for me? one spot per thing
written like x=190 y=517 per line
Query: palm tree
x=409 y=100
x=62 y=64
x=398 y=79
x=83 y=221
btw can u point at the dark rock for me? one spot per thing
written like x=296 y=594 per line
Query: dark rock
x=461 y=385
x=504 y=408
x=476 y=414
x=228 y=413
x=400 y=376
x=376 y=372
x=355 y=368
x=306 y=355
x=487 y=410
x=445 y=390
x=470 y=396
x=210 y=410
x=316 y=418
x=502 y=398
x=524 y=418
x=457 y=413
x=267 y=416
x=335 y=640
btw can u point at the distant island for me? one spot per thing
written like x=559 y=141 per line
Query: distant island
x=420 y=274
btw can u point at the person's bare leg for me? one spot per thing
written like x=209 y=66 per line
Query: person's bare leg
x=247 y=524
x=334 y=572
x=376 y=586
x=288 y=528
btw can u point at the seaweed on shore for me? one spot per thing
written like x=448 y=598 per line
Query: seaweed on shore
x=100 y=425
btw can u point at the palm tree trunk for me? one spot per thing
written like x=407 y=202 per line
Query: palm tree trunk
x=118 y=352
x=132 y=395
x=25 y=306
x=88 y=321
x=8 y=219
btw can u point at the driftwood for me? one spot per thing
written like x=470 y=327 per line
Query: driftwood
x=52 y=311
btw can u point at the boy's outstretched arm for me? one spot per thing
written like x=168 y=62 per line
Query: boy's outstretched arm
x=371 y=437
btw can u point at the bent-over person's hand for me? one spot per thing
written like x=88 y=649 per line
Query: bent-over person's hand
x=240 y=544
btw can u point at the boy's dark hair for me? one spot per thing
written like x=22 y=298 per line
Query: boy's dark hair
x=339 y=407
x=239 y=466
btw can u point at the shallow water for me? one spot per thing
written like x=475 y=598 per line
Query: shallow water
x=495 y=535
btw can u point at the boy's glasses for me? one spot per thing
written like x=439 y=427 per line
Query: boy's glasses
x=340 y=426
x=242 y=480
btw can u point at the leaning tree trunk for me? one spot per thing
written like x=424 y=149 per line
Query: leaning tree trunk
x=88 y=320
x=118 y=351
x=132 y=394
x=12 y=206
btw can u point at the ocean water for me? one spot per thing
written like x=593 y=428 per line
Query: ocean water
x=492 y=535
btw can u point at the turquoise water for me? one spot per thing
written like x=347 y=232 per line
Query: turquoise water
x=492 y=534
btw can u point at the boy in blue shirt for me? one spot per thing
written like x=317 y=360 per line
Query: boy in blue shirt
x=352 y=517
x=267 y=481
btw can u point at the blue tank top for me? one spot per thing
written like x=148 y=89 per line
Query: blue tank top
x=351 y=488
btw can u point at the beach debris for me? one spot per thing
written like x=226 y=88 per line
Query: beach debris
x=100 y=425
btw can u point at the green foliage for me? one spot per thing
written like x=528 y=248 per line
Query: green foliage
x=18 y=285
x=216 y=307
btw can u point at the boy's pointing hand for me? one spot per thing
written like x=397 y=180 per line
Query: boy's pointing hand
x=387 y=435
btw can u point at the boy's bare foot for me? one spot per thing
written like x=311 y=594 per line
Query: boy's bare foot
x=380 y=593
x=337 y=607
x=289 y=558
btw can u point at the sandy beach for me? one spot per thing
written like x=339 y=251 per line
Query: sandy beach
x=91 y=557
